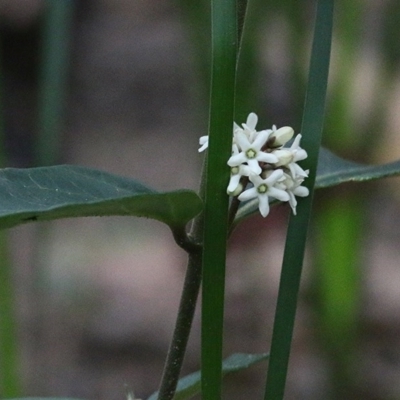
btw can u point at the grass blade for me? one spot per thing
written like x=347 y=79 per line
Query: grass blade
x=224 y=48
x=297 y=232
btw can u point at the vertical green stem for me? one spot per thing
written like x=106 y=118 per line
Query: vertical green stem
x=53 y=79
x=297 y=232
x=224 y=49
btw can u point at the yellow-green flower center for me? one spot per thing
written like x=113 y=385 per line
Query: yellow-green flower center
x=250 y=153
x=262 y=188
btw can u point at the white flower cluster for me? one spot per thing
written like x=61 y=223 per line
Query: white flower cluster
x=261 y=158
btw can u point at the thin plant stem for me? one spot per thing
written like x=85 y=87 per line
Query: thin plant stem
x=187 y=305
x=224 y=42
x=182 y=329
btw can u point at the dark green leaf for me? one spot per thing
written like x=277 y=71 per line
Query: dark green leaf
x=333 y=170
x=46 y=193
x=190 y=385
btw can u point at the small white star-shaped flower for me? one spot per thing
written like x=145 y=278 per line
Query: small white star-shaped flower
x=293 y=188
x=289 y=156
x=263 y=189
x=251 y=152
x=299 y=153
x=249 y=128
x=236 y=175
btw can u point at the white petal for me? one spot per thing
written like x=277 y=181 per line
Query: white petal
x=252 y=120
x=296 y=142
x=292 y=202
x=255 y=179
x=267 y=157
x=261 y=139
x=233 y=183
x=248 y=194
x=278 y=194
x=263 y=205
x=300 y=154
x=254 y=166
x=242 y=141
x=203 y=141
x=273 y=178
x=237 y=159
x=297 y=171
x=244 y=170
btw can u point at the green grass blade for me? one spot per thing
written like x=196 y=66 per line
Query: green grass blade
x=297 y=232
x=53 y=79
x=224 y=48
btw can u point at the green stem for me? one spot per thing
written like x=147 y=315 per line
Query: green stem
x=187 y=305
x=224 y=38
x=183 y=325
x=224 y=51
x=297 y=232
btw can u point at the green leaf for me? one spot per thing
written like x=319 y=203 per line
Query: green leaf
x=190 y=385
x=47 y=193
x=333 y=170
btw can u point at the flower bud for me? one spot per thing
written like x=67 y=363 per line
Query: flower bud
x=285 y=156
x=281 y=136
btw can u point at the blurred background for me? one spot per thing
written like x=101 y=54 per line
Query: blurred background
x=88 y=305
